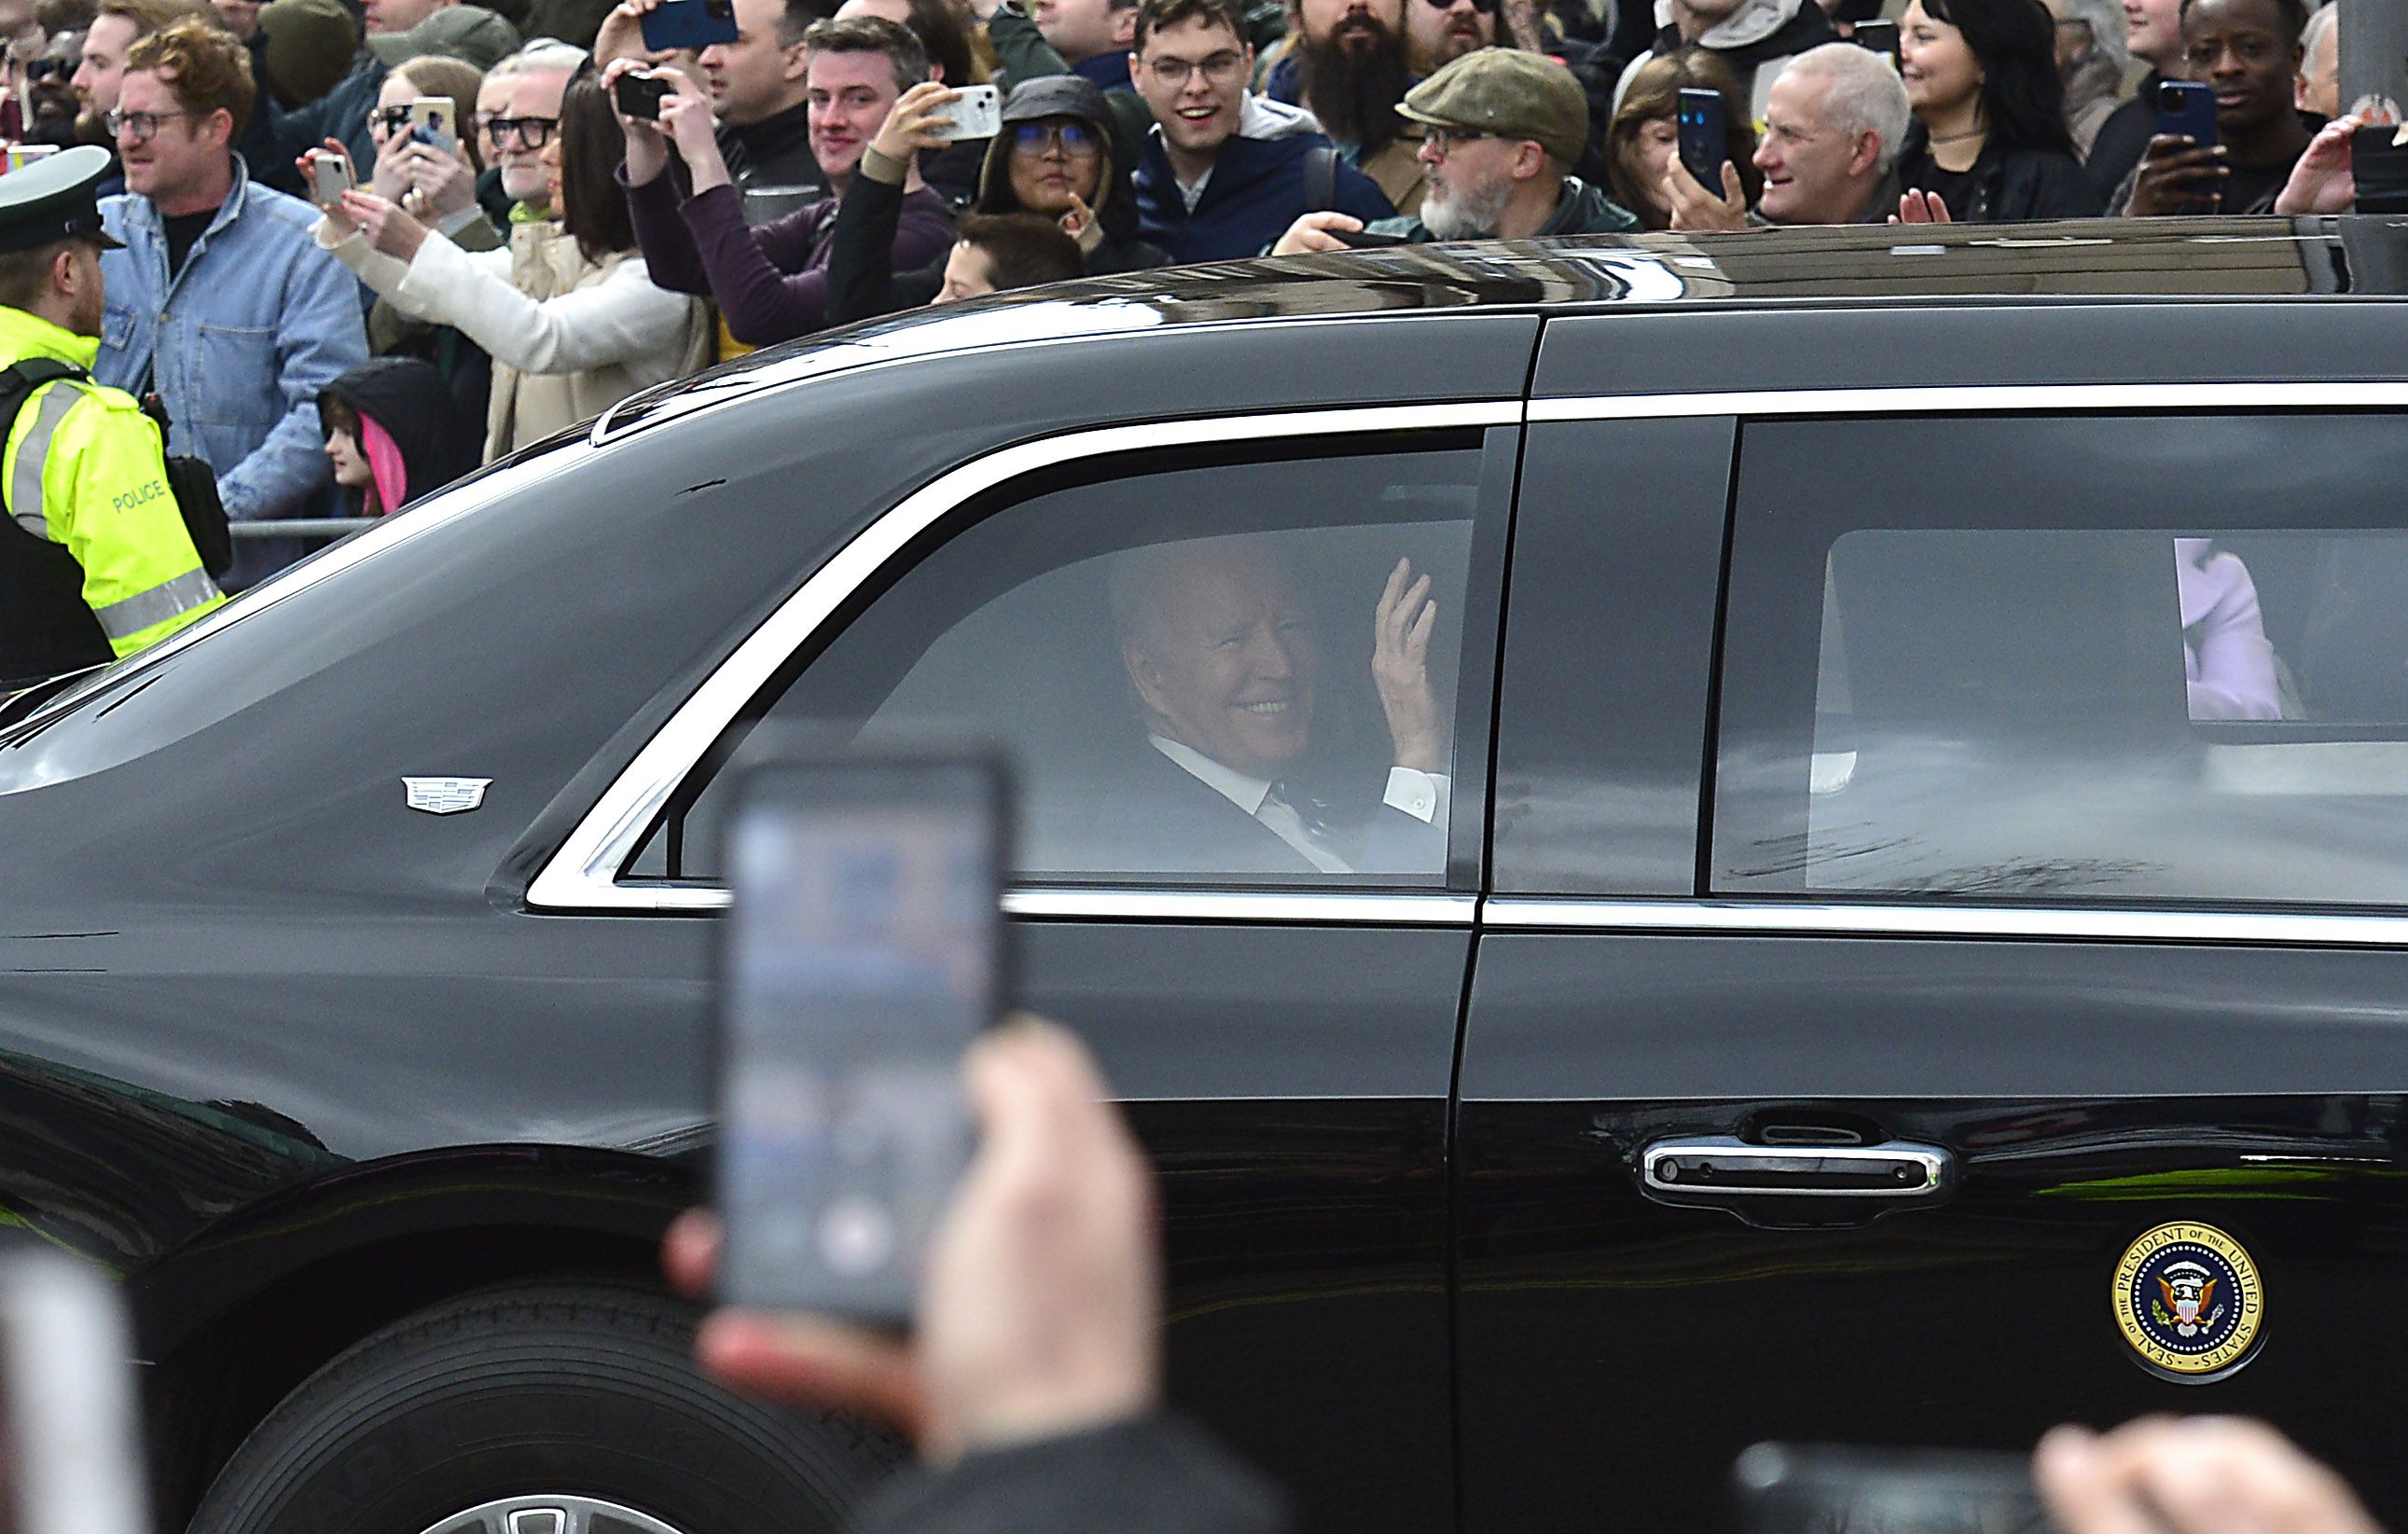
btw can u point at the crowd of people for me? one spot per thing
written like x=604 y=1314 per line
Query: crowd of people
x=360 y=245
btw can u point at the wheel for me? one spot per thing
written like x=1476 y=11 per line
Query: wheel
x=537 y=1410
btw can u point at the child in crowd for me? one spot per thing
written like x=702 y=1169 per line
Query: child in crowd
x=393 y=434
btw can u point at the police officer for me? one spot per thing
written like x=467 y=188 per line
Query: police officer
x=95 y=561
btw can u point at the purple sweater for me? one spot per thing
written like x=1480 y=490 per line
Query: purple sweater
x=771 y=282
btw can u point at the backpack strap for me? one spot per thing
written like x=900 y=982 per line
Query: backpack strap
x=1320 y=179
x=17 y=383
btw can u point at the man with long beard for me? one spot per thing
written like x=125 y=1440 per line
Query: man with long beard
x=1348 y=66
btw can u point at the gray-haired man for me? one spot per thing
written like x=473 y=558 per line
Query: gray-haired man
x=1834 y=123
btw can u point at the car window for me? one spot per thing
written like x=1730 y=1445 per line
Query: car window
x=1181 y=661
x=2023 y=682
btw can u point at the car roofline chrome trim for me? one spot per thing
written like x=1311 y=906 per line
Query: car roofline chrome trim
x=580 y=874
x=1126 y=903
x=1975 y=398
x=2068 y=924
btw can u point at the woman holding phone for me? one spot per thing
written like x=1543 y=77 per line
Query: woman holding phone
x=567 y=310
x=1989 y=143
x=1642 y=143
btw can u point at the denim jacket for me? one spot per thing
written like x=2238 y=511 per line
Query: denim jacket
x=259 y=321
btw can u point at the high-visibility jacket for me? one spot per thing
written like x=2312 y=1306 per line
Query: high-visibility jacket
x=95 y=562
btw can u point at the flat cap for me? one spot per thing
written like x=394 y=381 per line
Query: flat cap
x=54 y=198
x=470 y=34
x=1508 y=93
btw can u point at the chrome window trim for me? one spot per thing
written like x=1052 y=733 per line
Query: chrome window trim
x=2067 y=923
x=1123 y=903
x=1977 y=399
x=581 y=874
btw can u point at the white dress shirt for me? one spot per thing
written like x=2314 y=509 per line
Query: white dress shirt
x=1420 y=795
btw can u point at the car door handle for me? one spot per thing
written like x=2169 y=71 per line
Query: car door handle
x=1715 y=1167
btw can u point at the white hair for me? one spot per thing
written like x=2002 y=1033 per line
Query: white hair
x=2320 y=26
x=538 y=56
x=1866 y=95
x=2110 y=33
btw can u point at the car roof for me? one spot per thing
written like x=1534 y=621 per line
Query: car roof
x=2063 y=262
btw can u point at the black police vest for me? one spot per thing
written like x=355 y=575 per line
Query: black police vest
x=45 y=627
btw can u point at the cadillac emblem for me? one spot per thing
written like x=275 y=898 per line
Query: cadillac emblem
x=445 y=796
x=2189 y=1300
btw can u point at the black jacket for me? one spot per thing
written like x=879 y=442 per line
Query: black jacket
x=410 y=400
x=772 y=164
x=2124 y=138
x=1155 y=1475
x=2010 y=185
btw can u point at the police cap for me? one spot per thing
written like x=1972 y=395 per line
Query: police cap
x=54 y=199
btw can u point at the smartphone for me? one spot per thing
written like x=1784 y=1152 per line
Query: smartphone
x=67 y=1412
x=1790 y=1488
x=976 y=113
x=1705 y=138
x=640 y=94
x=689 y=24
x=1364 y=239
x=330 y=175
x=433 y=118
x=2188 y=108
x=2379 y=159
x=862 y=953
x=1881 y=36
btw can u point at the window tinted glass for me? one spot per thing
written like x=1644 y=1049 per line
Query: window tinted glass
x=1180 y=661
x=2140 y=702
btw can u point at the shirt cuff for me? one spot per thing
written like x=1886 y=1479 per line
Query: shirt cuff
x=878 y=166
x=1420 y=795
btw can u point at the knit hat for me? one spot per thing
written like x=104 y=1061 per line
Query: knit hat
x=468 y=33
x=311 y=43
x=1509 y=94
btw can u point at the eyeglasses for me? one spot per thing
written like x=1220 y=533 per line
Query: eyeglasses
x=140 y=126
x=1220 y=69
x=391 y=119
x=1447 y=140
x=535 y=132
x=1074 y=139
x=38 y=70
x=1486 y=8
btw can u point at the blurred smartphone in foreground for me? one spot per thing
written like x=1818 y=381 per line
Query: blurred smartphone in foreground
x=1793 y=1488
x=67 y=1414
x=1705 y=138
x=863 y=953
x=673 y=24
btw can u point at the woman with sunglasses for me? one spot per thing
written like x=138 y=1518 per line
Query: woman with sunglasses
x=569 y=311
x=1054 y=158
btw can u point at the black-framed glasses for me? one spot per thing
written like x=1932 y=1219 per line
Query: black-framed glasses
x=1075 y=139
x=534 y=132
x=1446 y=141
x=38 y=70
x=391 y=119
x=1486 y=8
x=140 y=126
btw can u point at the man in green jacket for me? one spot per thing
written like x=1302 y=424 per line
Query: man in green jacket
x=1500 y=132
x=95 y=562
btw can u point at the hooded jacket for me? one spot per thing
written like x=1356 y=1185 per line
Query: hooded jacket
x=410 y=402
x=1255 y=189
x=1757 y=40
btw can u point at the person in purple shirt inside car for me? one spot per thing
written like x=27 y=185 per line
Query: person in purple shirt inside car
x=2227 y=661
x=771 y=283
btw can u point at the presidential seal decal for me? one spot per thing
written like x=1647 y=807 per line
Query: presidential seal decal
x=2189 y=1300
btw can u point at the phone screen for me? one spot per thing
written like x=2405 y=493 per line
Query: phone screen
x=863 y=953
x=1704 y=137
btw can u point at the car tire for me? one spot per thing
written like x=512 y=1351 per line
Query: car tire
x=497 y=1401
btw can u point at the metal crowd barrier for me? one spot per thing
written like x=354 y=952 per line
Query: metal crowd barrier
x=303 y=527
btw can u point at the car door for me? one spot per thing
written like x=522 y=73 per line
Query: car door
x=1954 y=983
x=1283 y=1030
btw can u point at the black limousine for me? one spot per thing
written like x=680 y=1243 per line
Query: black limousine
x=1908 y=941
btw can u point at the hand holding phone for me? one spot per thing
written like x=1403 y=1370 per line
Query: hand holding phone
x=1367 y=240
x=1705 y=136
x=330 y=177
x=2186 y=109
x=863 y=954
x=638 y=94
x=431 y=120
x=975 y=112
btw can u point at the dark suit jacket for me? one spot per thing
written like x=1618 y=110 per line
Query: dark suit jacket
x=1156 y=1475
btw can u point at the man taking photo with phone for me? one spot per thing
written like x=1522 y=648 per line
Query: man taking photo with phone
x=1832 y=132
